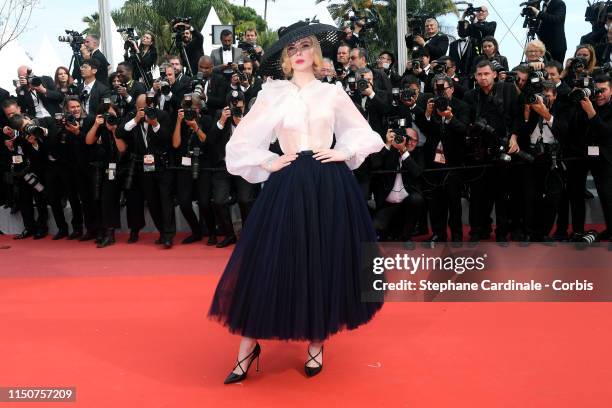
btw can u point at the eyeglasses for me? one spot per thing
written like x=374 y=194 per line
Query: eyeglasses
x=302 y=47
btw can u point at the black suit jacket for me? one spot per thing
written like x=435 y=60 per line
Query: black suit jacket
x=216 y=93
x=4 y=94
x=159 y=142
x=552 y=28
x=194 y=50
x=98 y=91
x=389 y=159
x=452 y=134
x=437 y=46
x=217 y=139
x=476 y=30
x=558 y=129
x=51 y=100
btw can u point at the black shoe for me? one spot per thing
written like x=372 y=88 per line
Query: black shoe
x=159 y=241
x=502 y=240
x=167 y=243
x=75 y=235
x=133 y=236
x=227 y=241
x=109 y=239
x=233 y=377
x=87 y=237
x=26 y=233
x=60 y=235
x=40 y=234
x=312 y=371
x=212 y=240
x=191 y=239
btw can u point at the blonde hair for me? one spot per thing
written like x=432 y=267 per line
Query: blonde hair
x=537 y=45
x=317 y=62
x=592 y=56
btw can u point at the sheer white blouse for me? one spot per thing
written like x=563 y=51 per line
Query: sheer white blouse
x=301 y=119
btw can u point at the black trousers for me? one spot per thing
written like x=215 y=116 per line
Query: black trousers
x=109 y=203
x=397 y=220
x=543 y=189
x=188 y=189
x=28 y=197
x=489 y=187
x=61 y=181
x=155 y=188
x=443 y=193
x=228 y=189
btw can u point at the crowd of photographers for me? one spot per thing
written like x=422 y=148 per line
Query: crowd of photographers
x=458 y=122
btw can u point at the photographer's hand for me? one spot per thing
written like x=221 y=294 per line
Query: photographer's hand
x=430 y=108
x=513 y=146
x=541 y=109
x=180 y=116
x=534 y=11
x=8 y=131
x=41 y=89
x=419 y=40
x=235 y=80
x=389 y=137
x=587 y=107
x=33 y=141
x=140 y=114
x=74 y=129
x=99 y=121
x=368 y=91
x=225 y=113
x=447 y=114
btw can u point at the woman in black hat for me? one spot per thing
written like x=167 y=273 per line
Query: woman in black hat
x=294 y=273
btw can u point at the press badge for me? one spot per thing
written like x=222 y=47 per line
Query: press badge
x=186 y=161
x=112 y=169
x=440 y=158
x=593 y=150
x=17 y=159
x=148 y=162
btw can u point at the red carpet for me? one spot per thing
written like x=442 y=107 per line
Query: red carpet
x=126 y=326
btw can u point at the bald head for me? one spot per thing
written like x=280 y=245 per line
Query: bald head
x=23 y=70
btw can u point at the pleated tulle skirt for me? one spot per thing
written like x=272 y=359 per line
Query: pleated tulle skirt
x=295 y=271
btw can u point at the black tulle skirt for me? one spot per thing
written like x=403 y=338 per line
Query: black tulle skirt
x=294 y=273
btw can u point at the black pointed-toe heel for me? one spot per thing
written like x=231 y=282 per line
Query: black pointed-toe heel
x=233 y=377
x=312 y=371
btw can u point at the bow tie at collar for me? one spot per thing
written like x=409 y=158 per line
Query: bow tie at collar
x=227 y=48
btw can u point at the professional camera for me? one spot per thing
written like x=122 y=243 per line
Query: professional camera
x=34 y=130
x=351 y=82
x=185 y=24
x=249 y=49
x=74 y=38
x=534 y=86
x=497 y=67
x=65 y=118
x=531 y=22
x=597 y=11
x=526 y=11
x=369 y=16
x=478 y=139
x=440 y=100
x=362 y=84
x=110 y=119
x=416 y=64
x=578 y=94
x=197 y=85
x=578 y=64
x=416 y=25
x=407 y=94
x=242 y=76
x=395 y=94
x=470 y=10
x=439 y=67
x=398 y=126
x=165 y=87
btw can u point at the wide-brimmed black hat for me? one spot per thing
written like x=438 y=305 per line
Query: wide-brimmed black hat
x=329 y=37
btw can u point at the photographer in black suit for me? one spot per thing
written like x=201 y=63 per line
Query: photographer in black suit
x=214 y=86
x=24 y=141
x=37 y=96
x=435 y=42
x=589 y=136
x=227 y=188
x=497 y=103
x=543 y=180
x=551 y=28
x=398 y=200
x=193 y=43
x=191 y=149
x=129 y=89
x=148 y=131
x=178 y=84
x=445 y=125
x=373 y=103
x=90 y=90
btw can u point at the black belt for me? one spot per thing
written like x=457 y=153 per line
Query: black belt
x=305 y=153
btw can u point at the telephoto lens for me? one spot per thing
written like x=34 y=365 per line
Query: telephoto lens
x=236 y=111
x=111 y=119
x=195 y=163
x=150 y=112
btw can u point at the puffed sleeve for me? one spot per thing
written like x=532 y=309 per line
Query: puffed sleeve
x=248 y=147
x=353 y=133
